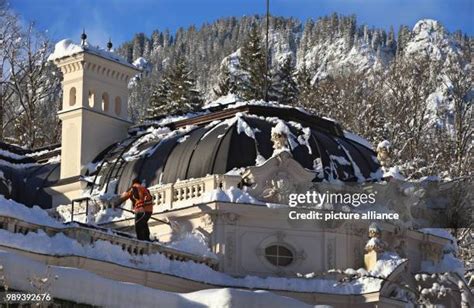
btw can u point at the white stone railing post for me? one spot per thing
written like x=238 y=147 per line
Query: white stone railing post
x=184 y=193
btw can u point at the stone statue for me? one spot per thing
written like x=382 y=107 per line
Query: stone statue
x=280 y=136
x=374 y=247
x=280 y=140
x=384 y=154
x=375 y=243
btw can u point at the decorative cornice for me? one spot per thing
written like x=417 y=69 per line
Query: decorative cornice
x=64 y=112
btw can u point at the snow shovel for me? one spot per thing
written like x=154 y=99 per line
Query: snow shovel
x=173 y=224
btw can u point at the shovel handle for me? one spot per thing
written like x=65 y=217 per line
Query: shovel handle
x=159 y=220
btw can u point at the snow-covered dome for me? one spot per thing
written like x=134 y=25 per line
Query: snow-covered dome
x=218 y=140
x=229 y=138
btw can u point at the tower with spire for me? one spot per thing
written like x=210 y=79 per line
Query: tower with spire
x=94 y=110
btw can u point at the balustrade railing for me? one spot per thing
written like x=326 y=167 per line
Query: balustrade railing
x=88 y=235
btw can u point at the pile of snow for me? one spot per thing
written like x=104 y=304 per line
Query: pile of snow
x=64 y=48
x=194 y=243
x=393 y=172
x=232 y=194
x=67 y=47
x=387 y=263
x=34 y=215
x=82 y=286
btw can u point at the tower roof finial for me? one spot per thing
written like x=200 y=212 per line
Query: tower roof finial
x=83 y=37
x=109 y=44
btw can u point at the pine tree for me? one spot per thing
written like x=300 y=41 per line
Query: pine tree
x=183 y=94
x=226 y=83
x=391 y=44
x=403 y=37
x=304 y=86
x=285 y=87
x=251 y=83
x=159 y=99
x=176 y=93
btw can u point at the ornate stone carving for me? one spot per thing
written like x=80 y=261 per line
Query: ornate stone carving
x=400 y=248
x=207 y=220
x=280 y=140
x=431 y=252
x=230 y=218
x=230 y=249
x=278 y=177
x=375 y=243
x=383 y=154
x=374 y=247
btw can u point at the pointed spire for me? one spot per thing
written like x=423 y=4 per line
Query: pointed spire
x=109 y=45
x=83 y=37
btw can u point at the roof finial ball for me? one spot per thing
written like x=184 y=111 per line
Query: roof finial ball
x=83 y=37
x=109 y=45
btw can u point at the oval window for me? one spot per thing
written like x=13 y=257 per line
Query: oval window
x=279 y=255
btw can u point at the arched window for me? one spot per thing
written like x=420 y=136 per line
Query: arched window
x=72 y=96
x=91 y=98
x=279 y=255
x=118 y=106
x=105 y=102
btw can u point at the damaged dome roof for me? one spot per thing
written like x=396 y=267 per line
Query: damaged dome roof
x=219 y=141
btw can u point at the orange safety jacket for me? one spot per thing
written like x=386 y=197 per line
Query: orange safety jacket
x=141 y=198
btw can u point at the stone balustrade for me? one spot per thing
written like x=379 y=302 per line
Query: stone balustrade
x=87 y=236
x=188 y=192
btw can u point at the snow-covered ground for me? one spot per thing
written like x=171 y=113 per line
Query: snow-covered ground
x=65 y=283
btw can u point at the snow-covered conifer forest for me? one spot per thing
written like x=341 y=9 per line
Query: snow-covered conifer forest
x=412 y=86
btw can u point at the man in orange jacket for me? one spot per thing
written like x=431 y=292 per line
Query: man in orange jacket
x=142 y=206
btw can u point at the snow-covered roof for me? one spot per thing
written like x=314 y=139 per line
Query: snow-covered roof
x=67 y=48
x=239 y=135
